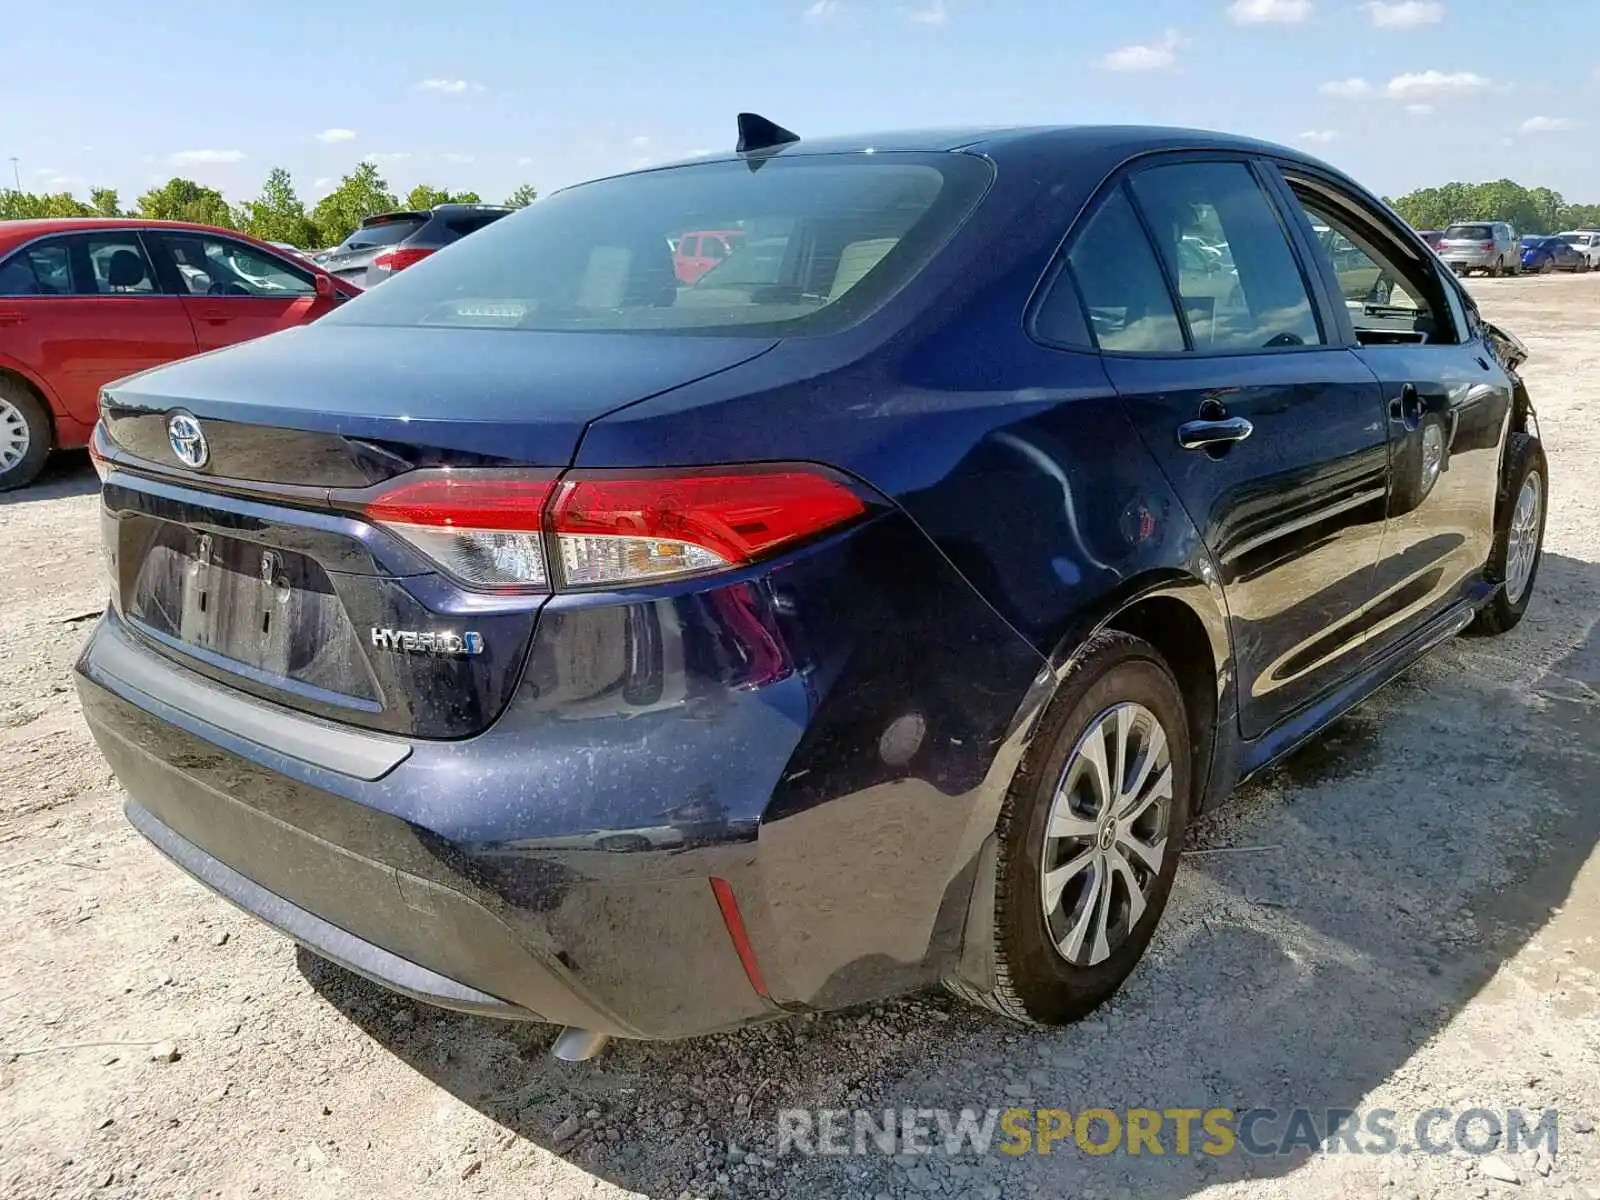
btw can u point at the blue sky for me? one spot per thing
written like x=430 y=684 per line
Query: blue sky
x=490 y=93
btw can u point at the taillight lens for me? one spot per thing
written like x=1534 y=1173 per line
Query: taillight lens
x=484 y=529
x=608 y=529
x=613 y=530
x=401 y=258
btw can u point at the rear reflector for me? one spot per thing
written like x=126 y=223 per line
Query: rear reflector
x=491 y=529
x=734 y=920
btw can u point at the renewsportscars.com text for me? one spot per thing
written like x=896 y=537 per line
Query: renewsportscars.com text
x=1259 y=1132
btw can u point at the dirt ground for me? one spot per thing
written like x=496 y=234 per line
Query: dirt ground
x=1414 y=924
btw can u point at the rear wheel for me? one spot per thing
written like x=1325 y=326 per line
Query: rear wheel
x=1090 y=835
x=24 y=435
x=1518 y=536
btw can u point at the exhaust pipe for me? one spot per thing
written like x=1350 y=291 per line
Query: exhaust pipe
x=578 y=1045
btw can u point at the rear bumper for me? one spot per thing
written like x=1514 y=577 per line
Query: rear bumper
x=832 y=738
x=312 y=932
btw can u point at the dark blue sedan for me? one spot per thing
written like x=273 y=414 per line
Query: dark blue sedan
x=1546 y=254
x=543 y=636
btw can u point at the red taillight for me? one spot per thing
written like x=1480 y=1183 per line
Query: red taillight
x=619 y=530
x=491 y=528
x=401 y=258
x=1487 y=246
x=484 y=528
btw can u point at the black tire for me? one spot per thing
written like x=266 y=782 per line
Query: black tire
x=1035 y=984
x=17 y=397
x=1524 y=458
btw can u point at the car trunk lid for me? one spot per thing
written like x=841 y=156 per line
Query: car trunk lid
x=259 y=569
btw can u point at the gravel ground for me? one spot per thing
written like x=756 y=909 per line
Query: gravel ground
x=1413 y=925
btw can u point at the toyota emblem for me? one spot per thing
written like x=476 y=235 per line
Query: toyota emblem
x=188 y=440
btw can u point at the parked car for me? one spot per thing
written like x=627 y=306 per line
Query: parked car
x=1488 y=246
x=84 y=301
x=1545 y=254
x=391 y=242
x=541 y=642
x=698 y=251
x=1433 y=237
x=1587 y=243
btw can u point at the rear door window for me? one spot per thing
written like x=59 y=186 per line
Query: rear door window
x=1124 y=294
x=1222 y=241
x=840 y=235
x=117 y=265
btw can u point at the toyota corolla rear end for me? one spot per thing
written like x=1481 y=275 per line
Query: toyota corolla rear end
x=647 y=751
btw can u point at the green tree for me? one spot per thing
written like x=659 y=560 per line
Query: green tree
x=1535 y=210
x=425 y=196
x=104 y=202
x=185 y=200
x=522 y=197
x=362 y=193
x=277 y=214
x=15 y=205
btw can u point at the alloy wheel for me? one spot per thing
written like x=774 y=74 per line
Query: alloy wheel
x=1105 y=837
x=14 y=435
x=1522 y=539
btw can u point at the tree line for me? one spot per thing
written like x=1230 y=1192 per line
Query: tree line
x=1529 y=210
x=276 y=215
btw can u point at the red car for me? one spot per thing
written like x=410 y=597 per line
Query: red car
x=86 y=301
x=699 y=250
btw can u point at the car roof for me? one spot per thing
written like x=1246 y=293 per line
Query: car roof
x=25 y=230
x=1002 y=141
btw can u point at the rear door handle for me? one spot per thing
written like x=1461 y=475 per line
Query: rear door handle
x=1200 y=435
x=10 y=316
x=216 y=316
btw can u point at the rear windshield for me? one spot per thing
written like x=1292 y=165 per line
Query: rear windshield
x=1470 y=233
x=824 y=240
x=383 y=233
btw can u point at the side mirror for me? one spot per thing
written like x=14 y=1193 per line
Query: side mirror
x=327 y=289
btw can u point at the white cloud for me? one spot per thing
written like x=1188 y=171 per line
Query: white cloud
x=1270 y=12
x=388 y=157
x=822 y=9
x=640 y=142
x=1548 y=125
x=1318 y=137
x=525 y=161
x=189 y=158
x=449 y=87
x=1157 y=56
x=457 y=158
x=698 y=153
x=1405 y=14
x=934 y=14
x=321 y=184
x=1420 y=110
x=1427 y=85
x=336 y=135
x=1349 y=89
